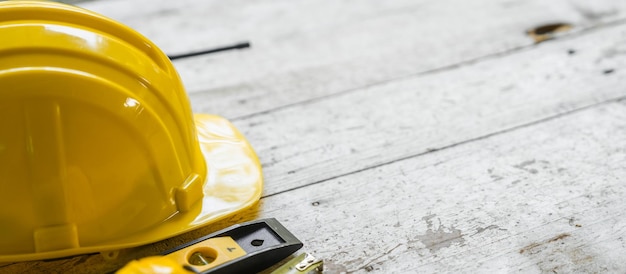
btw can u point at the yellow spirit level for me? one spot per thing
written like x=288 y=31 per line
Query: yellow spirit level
x=243 y=248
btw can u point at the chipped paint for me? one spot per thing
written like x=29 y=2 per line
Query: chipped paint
x=532 y=246
x=563 y=253
x=483 y=229
x=436 y=239
x=525 y=166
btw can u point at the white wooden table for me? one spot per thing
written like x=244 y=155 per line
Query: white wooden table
x=413 y=136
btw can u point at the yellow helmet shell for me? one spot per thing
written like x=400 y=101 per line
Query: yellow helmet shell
x=99 y=149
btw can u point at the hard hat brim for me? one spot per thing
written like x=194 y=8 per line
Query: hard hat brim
x=234 y=183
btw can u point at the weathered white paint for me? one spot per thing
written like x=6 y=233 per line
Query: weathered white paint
x=504 y=194
x=311 y=142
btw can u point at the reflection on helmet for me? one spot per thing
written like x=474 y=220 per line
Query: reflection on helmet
x=98 y=146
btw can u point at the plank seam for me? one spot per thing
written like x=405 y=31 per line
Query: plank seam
x=452 y=145
x=512 y=51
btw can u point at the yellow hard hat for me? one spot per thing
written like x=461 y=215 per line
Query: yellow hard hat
x=99 y=149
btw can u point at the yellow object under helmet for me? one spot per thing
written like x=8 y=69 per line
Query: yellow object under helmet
x=99 y=149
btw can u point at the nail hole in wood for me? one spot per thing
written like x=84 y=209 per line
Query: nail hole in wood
x=548 y=31
x=608 y=71
x=550 y=28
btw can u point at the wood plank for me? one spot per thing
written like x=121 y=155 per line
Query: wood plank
x=310 y=49
x=500 y=203
x=547 y=197
x=541 y=198
x=324 y=139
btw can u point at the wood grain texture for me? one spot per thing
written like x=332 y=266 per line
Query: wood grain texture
x=312 y=142
x=303 y=50
x=541 y=198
